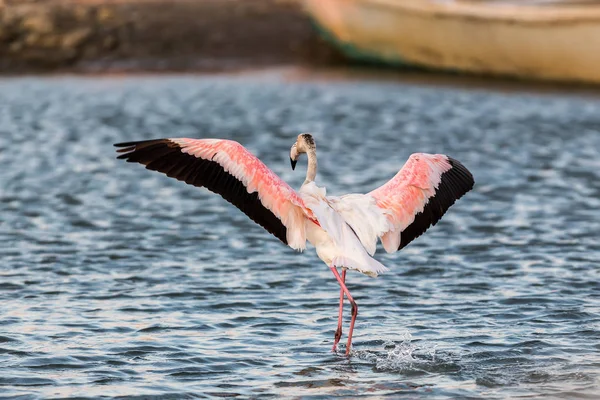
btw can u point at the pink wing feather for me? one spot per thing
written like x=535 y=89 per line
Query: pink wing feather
x=227 y=168
x=418 y=196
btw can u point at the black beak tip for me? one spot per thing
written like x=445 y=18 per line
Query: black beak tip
x=293 y=162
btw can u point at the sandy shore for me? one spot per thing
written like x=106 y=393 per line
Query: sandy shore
x=153 y=35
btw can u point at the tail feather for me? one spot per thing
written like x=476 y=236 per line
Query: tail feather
x=373 y=268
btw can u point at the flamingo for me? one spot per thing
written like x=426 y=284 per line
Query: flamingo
x=343 y=229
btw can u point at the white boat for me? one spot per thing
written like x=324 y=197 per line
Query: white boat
x=557 y=41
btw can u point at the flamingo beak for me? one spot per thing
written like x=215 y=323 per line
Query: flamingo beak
x=294 y=155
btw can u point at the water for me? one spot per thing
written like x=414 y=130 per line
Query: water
x=118 y=281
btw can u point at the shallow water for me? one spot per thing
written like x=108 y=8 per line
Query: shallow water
x=118 y=281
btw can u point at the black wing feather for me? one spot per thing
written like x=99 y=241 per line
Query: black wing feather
x=453 y=185
x=166 y=156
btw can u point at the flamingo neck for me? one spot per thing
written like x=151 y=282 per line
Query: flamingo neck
x=311 y=171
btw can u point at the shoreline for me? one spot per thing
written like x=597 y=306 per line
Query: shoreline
x=199 y=37
x=333 y=75
x=82 y=36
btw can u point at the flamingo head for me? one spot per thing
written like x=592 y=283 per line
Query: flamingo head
x=304 y=143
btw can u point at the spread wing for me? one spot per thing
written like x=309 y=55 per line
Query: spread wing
x=227 y=168
x=419 y=195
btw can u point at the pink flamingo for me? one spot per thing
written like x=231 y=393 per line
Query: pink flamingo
x=344 y=230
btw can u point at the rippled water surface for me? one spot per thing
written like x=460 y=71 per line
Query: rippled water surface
x=118 y=281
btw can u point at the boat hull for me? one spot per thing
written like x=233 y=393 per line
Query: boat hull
x=560 y=43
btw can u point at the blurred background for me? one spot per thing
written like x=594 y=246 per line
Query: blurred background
x=551 y=40
x=118 y=282
x=180 y=35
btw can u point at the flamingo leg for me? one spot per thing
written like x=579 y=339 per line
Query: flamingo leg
x=338 y=332
x=352 y=302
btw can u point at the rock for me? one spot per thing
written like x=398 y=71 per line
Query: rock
x=109 y=43
x=104 y=14
x=48 y=41
x=80 y=13
x=32 y=39
x=75 y=38
x=39 y=23
x=15 y=47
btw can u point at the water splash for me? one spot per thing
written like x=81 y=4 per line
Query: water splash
x=399 y=356
x=412 y=357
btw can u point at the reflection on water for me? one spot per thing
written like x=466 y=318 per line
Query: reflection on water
x=118 y=281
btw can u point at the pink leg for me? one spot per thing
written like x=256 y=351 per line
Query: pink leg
x=352 y=302
x=338 y=332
